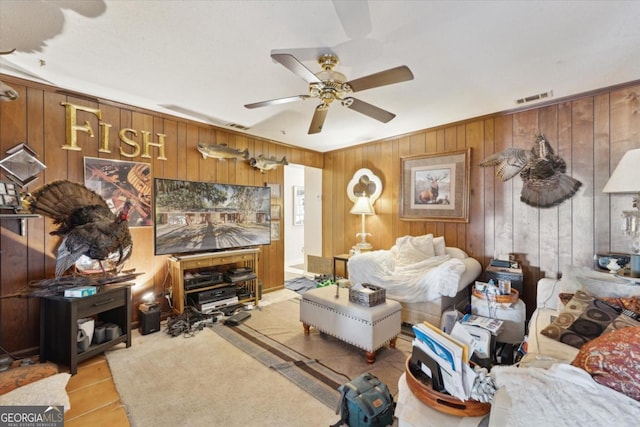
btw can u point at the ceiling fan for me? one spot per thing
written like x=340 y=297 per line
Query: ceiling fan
x=329 y=85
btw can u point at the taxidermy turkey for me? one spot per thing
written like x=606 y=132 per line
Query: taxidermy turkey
x=86 y=223
x=545 y=183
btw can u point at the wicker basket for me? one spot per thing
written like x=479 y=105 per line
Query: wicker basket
x=501 y=299
x=368 y=299
x=442 y=402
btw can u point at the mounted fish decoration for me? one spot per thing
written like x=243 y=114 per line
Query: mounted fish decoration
x=265 y=164
x=543 y=173
x=7 y=93
x=222 y=152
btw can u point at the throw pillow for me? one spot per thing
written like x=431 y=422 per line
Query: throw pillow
x=613 y=360
x=439 y=246
x=413 y=249
x=629 y=303
x=585 y=318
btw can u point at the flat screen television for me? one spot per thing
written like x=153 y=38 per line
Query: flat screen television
x=192 y=216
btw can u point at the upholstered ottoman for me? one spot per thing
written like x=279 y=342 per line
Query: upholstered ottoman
x=368 y=328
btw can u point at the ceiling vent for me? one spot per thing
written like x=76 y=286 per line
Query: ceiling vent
x=237 y=126
x=536 y=97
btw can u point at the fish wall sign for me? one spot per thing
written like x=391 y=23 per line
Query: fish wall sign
x=135 y=148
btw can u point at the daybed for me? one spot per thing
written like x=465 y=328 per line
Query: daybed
x=421 y=273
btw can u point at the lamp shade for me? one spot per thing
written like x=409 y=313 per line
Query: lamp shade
x=362 y=206
x=626 y=177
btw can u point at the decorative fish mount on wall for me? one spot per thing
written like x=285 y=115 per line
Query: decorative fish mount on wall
x=264 y=164
x=545 y=183
x=222 y=152
x=7 y=93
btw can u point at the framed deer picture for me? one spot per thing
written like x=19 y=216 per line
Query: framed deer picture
x=435 y=187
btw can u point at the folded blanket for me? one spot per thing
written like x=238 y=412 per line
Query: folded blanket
x=421 y=281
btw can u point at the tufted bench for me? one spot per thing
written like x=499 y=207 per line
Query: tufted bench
x=368 y=328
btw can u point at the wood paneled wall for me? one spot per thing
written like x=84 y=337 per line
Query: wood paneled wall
x=590 y=132
x=38 y=118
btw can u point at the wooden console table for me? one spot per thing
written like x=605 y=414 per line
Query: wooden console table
x=219 y=261
x=59 y=323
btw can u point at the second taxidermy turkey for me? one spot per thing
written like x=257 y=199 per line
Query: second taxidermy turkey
x=544 y=179
x=86 y=223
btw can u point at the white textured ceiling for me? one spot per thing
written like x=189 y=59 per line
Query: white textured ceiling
x=209 y=58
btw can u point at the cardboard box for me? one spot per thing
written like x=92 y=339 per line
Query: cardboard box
x=80 y=291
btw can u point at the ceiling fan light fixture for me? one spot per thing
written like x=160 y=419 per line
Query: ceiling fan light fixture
x=329 y=85
x=347 y=102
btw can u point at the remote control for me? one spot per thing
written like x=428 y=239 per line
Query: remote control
x=237 y=318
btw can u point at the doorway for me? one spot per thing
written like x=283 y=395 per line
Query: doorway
x=302 y=217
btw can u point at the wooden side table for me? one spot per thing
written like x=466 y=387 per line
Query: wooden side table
x=59 y=323
x=344 y=258
x=502 y=273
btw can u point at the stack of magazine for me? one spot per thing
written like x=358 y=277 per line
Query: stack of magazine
x=452 y=353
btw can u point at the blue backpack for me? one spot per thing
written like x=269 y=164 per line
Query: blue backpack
x=365 y=401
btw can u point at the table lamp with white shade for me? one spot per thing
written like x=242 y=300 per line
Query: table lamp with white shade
x=625 y=179
x=363 y=190
x=363 y=207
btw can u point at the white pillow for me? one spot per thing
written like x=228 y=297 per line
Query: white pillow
x=439 y=246
x=413 y=249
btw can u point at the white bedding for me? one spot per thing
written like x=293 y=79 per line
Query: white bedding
x=420 y=281
x=562 y=395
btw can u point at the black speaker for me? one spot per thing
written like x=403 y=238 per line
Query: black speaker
x=148 y=318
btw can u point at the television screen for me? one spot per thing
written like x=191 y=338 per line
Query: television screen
x=195 y=216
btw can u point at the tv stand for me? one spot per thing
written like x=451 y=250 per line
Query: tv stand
x=220 y=261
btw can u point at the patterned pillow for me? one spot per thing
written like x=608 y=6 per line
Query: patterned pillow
x=626 y=303
x=613 y=360
x=585 y=318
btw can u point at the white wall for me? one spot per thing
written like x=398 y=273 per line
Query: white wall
x=313 y=212
x=294 y=234
x=307 y=239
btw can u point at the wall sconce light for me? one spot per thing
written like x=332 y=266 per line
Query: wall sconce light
x=625 y=179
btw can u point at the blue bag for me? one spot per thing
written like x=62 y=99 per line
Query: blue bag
x=365 y=401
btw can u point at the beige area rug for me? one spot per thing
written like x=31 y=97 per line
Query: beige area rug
x=206 y=381
x=280 y=322
x=262 y=372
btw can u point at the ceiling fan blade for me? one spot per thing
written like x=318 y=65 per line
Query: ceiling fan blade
x=277 y=101
x=296 y=67
x=354 y=17
x=383 y=78
x=368 y=109
x=318 y=119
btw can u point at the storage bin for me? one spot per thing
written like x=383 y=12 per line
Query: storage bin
x=374 y=296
